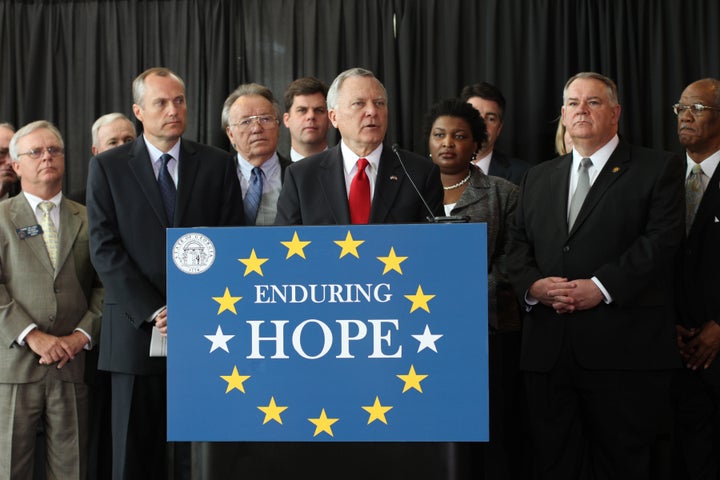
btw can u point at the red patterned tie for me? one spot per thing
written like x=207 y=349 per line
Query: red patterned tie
x=359 y=199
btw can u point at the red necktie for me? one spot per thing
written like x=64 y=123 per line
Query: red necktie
x=359 y=199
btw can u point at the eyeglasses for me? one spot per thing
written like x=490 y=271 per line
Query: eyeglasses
x=267 y=122
x=696 y=109
x=37 y=153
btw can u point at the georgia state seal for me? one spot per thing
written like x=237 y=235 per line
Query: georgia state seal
x=193 y=253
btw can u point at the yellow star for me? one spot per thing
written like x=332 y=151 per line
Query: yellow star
x=235 y=380
x=253 y=263
x=323 y=424
x=227 y=302
x=392 y=262
x=412 y=380
x=377 y=411
x=295 y=246
x=419 y=300
x=272 y=411
x=349 y=245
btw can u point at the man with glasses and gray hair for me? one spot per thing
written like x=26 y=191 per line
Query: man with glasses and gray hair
x=50 y=309
x=251 y=119
x=696 y=388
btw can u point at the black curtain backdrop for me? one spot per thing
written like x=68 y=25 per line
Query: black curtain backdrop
x=72 y=61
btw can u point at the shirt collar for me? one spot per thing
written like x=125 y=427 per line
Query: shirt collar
x=350 y=158
x=268 y=166
x=34 y=201
x=600 y=157
x=709 y=165
x=155 y=153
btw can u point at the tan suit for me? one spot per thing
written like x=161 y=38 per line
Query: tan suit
x=58 y=302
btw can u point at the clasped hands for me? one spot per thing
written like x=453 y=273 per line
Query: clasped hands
x=699 y=346
x=54 y=349
x=566 y=296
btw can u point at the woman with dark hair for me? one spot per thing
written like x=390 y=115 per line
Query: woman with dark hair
x=455 y=132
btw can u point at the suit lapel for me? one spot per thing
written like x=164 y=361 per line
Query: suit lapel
x=616 y=166
x=476 y=192
x=387 y=185
x=70 y=222
x=142 y=169
x=559 y=185
x=332 y=183
x=188 y=165
x=22 y=216
x=708 y=208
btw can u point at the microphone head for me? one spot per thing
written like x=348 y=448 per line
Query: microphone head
x=395 y=147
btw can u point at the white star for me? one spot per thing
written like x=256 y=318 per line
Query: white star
x=219 y=340
x=427 y=340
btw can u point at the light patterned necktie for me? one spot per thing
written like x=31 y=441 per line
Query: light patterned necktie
x=693 y=195
x=581 y=191
x=359 y=198
x=49 y=232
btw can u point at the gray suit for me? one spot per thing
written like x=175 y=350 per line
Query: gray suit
x=58 y=302
x=493 y=200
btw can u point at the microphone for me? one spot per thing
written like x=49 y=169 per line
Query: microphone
x=432 y=218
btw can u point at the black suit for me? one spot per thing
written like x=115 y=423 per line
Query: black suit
x=626 y=234
x=127 y=245
x=698 y=392
x=314 y=191
x=507 y=167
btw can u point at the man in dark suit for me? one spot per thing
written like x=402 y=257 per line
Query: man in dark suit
x=696 y=388
x=250 y=117
x=9 y=184
x=135 y=192
x=316 y=191
x=490 y=102
x=593 y=240
x=50 y=307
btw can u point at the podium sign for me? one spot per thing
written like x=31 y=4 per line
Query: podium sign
x=328 y=333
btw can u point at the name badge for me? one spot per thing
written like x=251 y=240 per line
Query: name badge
x=30 y=231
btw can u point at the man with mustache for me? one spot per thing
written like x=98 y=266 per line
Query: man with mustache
x=592 y=245
x=696 y=388
x=250 y=117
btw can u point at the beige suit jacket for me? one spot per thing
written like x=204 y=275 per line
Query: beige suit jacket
x=31 y=291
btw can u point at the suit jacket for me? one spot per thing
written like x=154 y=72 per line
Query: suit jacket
x=127 y=237
x=493 y=200
x=31 y=291
x=626 y=234
x=700 y=278
x=507 y=167
x=314 y=191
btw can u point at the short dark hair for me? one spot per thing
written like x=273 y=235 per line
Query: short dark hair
x=303 y=86
x=455 y=107
x=484 y=90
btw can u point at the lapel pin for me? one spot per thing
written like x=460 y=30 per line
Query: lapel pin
x=615 y=169
x=393 y=177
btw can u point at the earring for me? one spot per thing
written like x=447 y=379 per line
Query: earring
x=473 y=157
x=430 y=155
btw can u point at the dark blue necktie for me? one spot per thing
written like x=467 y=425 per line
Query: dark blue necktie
x=167 y=188
x=253 y=196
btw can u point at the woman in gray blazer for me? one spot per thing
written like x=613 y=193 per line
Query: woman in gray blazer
x=455 y=132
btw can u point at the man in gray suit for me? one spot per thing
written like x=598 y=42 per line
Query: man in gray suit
x=50 y=308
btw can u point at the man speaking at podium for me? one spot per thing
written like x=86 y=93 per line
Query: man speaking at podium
x=359 y=180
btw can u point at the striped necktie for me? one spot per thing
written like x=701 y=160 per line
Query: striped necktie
x=253 y=196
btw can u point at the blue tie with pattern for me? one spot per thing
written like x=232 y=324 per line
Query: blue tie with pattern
x=253 y=196
x=167 y=188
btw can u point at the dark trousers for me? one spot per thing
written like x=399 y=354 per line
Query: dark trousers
x=595 y=424
x=696 y=402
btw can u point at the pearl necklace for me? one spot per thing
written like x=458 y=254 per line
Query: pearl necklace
x=459 y=184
